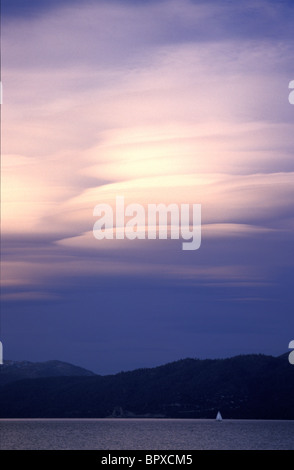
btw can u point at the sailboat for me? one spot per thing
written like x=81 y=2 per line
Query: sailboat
x=218 y=416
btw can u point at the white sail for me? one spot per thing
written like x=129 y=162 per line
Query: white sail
x=218 y=416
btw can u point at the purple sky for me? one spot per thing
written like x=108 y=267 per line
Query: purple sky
x=160 y=102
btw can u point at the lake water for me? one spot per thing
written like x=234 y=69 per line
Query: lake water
x=145 y=434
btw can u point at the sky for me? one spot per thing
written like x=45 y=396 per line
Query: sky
x=161 y=102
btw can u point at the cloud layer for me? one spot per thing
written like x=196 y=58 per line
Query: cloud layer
x=159 y=102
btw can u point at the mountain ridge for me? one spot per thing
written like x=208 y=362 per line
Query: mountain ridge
x=252 y=386
x=11 y=371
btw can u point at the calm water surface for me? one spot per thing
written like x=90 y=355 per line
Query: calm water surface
x=145 y=434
